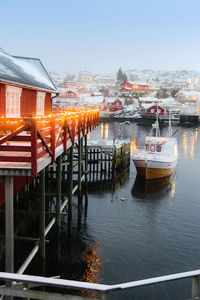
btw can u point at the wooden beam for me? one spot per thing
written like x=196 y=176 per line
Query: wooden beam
x=44 y=143
x=14 y=133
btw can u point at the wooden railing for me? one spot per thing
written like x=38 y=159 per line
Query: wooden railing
x=29 y=140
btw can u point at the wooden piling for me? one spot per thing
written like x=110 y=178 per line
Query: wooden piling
x=70 y=187
x=58 y=200
x=80 y=155
x=101 y=171
x=42 y=221
x=9 y=228
x=86 y=172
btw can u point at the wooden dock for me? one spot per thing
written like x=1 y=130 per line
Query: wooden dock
x=106 y=158
x=27 y=147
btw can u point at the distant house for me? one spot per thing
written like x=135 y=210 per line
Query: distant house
x=87 y=77
x=25 y=87
x=150 y=110
x=66 y=97
x=68 y=93
x=134 y=86
x=147 y=100
x=112 y=104
x=96 y=94
x=184 y=96
x=108 y=79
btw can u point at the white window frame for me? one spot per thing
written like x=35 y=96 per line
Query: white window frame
x=40 y=103
x=13 y=101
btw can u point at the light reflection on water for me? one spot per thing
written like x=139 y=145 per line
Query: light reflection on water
x=104 y=131
x=155 y=230
x=189 y=140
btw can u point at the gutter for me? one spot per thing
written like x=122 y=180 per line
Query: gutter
x=27 y=86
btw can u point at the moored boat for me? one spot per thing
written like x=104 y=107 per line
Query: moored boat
x=159 y=158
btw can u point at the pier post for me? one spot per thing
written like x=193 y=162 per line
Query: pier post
x=70 y=187
x=58 y=199
x=86 y=172
x=105 y=296
x=80 y=155
x=9 y=228
x=42 y=221
x=195 y=287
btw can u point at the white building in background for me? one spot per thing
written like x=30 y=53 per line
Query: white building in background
x=106 y=79
x=193 y=80
x=188 y=97
x=86 y=77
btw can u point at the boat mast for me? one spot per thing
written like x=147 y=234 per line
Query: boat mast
x=170 y=127
x=157 y=123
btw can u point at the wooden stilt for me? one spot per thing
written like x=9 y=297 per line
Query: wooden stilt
x=101 y=171
x=58 y=201
x=42 y=221
x=80 y=149
x=9 y=228
x=70 y=187
x=86 y=172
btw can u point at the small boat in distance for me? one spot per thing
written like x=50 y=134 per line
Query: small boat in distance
x=159 y=158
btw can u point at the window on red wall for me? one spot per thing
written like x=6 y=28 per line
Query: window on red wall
x=13 y=95
x=40 y=103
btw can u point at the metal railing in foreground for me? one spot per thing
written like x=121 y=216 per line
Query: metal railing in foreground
x=20 y=286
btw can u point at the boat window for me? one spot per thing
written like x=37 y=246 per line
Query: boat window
x=146 y=147
x=158 y=148
x=152 y=148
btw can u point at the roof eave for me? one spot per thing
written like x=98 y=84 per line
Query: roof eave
x=27 y=86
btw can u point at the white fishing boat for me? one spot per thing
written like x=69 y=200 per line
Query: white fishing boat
x=159 y=158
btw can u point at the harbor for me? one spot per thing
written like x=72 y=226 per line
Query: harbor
x=155 y=234
x=99 y=150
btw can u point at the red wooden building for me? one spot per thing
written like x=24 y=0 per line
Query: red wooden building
x=68 y=93
x=25 y=87
x=112 y=104
x=31 y=135
x=131 y=86
x=153 y=110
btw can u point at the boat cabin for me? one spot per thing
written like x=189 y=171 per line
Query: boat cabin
x=25 y=87
x=153 y=147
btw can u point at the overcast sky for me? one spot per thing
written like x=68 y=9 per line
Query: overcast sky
x=103 y=35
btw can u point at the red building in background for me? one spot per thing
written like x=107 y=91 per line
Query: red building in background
x=132 y=86
x=112 y=104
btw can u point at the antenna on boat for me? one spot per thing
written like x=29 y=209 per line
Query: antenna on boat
x=121 y=127
x=170 y=127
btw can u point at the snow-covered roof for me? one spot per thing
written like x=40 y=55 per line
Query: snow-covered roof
x=137 y=82
x=96 y=94
x=148 y=105
x=66 y=90
x=149 y=99
x=189 y=93
x=24 y=71
x=110 y=99
x=88 y=99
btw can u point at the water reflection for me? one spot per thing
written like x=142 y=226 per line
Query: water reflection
x=104 y=131
x=93 y=266
x=133 y=146
x=189 y=142
x=173 y=188
x=143 y=188
x=102 y=187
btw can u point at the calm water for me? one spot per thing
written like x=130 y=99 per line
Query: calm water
x=155 y=231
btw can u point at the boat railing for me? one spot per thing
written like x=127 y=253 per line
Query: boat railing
x=20 y=286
